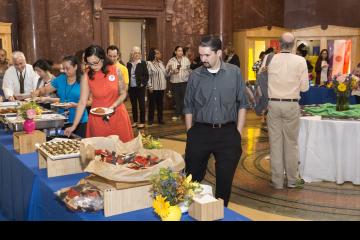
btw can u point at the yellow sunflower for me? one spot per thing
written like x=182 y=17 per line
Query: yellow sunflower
x=342 y=87
x=161 y=206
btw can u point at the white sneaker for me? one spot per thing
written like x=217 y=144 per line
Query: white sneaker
x=174 y=118
x=134 y=125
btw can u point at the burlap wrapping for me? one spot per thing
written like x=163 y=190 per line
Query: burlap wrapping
x=122 y=173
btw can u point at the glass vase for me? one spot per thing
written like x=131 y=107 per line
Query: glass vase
x=342 y=102
x=29 y=126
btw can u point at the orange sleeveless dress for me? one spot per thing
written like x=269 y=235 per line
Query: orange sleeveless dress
x=105 y=91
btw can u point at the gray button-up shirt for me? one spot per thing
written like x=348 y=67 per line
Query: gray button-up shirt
x=215 y=99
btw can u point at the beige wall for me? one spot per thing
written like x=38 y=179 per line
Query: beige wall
x=5 y=36
x=126 y=33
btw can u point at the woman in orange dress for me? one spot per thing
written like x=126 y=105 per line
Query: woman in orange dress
x=107 y=88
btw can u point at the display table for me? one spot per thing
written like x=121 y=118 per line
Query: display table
x=320 y=95
x=329 y=150
x=26 y=193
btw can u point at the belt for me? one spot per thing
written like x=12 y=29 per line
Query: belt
x=283 y=100
x=215 y=125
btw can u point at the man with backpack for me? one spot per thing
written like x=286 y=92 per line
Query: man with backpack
x=287 y=76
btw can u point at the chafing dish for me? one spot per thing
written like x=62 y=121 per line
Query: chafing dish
x=45 y=121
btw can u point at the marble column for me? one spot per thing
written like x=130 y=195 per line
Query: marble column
x=220 y=19
x=33 y=29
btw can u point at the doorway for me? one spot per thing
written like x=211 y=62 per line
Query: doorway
x=127 y=33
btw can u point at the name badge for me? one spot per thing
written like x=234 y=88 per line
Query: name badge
x=111 y=78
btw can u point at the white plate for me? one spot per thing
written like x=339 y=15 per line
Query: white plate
x=31 y=99
x=107 y=111
x=9 y=104
x=60 y=104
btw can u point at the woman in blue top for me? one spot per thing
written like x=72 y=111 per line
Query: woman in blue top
x=67 y=87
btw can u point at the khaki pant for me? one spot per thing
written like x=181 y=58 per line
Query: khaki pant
x=283 y=123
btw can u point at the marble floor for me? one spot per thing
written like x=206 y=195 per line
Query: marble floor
x=252 y=195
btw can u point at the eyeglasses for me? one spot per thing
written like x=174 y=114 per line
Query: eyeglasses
x=93 y=64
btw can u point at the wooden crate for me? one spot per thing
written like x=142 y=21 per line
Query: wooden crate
x=207 y=211
x=121 y=197
x=59 y=167
x=25 y=143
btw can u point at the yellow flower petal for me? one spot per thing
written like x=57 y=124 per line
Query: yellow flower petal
x=161 y=206
x=174 y=214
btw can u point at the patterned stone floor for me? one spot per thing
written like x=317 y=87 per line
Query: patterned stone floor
x=317 y=201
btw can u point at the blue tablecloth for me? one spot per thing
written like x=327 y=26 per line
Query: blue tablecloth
x=320 y=95
x=26 y=193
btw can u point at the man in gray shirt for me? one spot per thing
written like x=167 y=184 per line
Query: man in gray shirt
x=215 y=108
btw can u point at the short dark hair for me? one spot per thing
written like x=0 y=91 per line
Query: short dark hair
x=211 y=41
x=262 y=54
x=113 y=47
x=152 y=53
x=43 y=64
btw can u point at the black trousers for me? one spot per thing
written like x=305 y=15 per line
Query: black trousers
x=137 y=97
x=179 y=90
x=357 y=99
x=156 y=98
x=225 y=144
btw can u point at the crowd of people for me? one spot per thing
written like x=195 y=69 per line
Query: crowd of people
x=138 y=78
x=209 y=92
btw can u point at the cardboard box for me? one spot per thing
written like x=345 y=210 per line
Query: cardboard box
x=59 y=167
x=121 y=197
x=210 y=211
x=25 y=143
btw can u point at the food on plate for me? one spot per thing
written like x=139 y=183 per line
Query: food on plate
x=61 y=147
x=99 y=110
x=8 y=110
x=131 y=160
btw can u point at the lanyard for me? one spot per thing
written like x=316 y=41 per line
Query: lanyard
x=179 y=62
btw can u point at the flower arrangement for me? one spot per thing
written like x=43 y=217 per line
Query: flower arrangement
x=343 y=84
x=29 y=110
x=169 y=189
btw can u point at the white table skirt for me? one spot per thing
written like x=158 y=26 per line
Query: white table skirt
x=329 y=150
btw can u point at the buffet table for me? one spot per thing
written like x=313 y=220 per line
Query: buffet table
x=329 y=150
x=26 y=193
x=320 y=95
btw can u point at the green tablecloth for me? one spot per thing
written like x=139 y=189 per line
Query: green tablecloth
x=329 y=109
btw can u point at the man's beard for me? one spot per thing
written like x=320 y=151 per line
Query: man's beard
x=206 y=64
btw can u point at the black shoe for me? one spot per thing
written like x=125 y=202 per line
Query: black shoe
x=150 y=123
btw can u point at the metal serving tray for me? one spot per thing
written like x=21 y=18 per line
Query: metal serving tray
x=45 y=121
